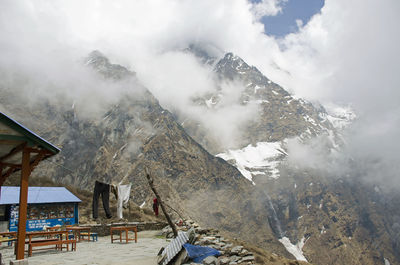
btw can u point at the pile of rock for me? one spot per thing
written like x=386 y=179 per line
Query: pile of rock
x=230 y=254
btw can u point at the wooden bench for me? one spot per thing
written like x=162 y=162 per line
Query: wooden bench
x=9 y=240
x=91 y=234
x=49 y=238
x=78 y=231
x=8 y=237
x=122 y=229
x=48 y=242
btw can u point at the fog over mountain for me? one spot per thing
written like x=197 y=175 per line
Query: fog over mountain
x=290 y=142
x=346 y=55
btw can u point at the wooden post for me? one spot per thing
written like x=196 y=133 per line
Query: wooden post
x=23 y=203
x=1 y=184
x=1 y=177
x=171 y=224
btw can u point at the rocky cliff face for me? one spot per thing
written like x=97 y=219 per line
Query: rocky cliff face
x=279 y=115
x=338 y=220
x=116 y=144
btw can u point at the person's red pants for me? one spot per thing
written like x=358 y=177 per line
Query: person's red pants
x=156 y=211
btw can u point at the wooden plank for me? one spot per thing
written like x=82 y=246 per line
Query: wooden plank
x=23 y=203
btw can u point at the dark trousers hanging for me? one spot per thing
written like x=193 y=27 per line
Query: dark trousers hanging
x=103 y=190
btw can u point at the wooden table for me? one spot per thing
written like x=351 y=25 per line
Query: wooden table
x=53 y=228
x=50 y=238
x=77 y=230
x=8 y=237
x=8 y=233
x=59 y=234
x=125 y=229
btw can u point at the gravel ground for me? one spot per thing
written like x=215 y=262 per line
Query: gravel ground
x=101 y=252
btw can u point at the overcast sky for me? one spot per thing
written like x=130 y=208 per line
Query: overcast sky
x=346 y=53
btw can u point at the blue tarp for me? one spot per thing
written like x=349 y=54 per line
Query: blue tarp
x=198 y=253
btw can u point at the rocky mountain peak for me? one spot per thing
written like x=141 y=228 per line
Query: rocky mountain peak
x=280 y=116
x=206 y=53
x=102 y=65
x=327 y=220
x=231 y=65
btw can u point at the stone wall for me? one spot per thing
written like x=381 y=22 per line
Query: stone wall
x=104 y=229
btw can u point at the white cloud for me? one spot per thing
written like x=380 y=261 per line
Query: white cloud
x=267 y=8
x=347 y=53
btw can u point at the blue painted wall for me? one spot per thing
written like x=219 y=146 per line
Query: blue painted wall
x=40 y=215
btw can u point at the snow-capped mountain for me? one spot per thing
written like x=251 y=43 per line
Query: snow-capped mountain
x=280 y=117
x=297 y=212
x=304 y=204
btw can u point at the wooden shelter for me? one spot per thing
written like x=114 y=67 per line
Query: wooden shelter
x=21 y=149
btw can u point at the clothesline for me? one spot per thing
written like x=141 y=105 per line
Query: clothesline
x=121 y=203
x=70 y=170
x=122 y=193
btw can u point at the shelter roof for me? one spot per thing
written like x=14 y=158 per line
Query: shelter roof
x=10 y=195
x=14 y=137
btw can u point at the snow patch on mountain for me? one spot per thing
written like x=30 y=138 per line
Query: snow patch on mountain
x=295 y=250
x=256 y=160
x=339 y=116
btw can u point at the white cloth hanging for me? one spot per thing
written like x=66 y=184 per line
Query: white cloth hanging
x=123 y=197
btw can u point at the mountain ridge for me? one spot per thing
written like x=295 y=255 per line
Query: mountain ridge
x=137 y=132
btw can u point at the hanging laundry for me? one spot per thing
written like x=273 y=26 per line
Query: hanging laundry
x=102 y=189
x=155 y=206
x=114 y=190
x=124 y=192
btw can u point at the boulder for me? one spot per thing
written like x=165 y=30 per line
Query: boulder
x=248 y=259
x=234 y=258
x=211 y=260
x=236 y=250
x=224 y=261
x=244 y=252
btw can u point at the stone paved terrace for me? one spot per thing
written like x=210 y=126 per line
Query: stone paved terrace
x=102 y=252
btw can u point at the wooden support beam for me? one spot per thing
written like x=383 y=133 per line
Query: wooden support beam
x=1 y=176
x=153 y=188
x=2 y=179
x=38 y=158
x=23 y=203
x=10 y=165
x=16 y=150
x=6 y=175
x=36 y=150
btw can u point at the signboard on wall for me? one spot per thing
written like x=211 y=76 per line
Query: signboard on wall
x=40 y=215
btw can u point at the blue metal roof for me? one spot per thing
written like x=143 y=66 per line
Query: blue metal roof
x=10 y=195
